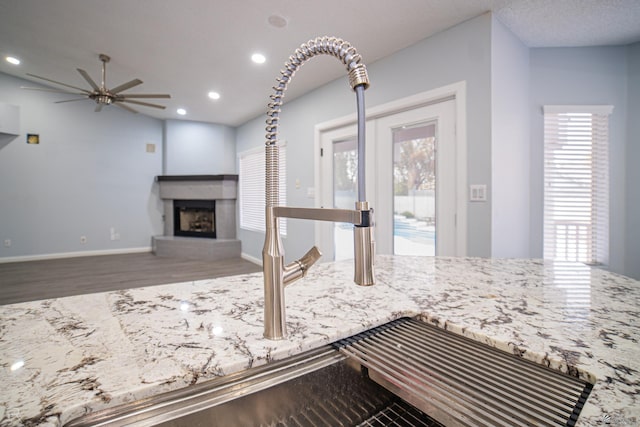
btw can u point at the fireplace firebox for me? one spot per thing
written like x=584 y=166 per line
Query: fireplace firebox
x=194 y=218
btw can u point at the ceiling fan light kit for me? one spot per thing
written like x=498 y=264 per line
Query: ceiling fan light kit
x=100 y=94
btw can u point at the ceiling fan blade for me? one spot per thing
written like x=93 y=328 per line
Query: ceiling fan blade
x=71 y=100
x=125 y=86
x=88 y=78
x=145 y=95
x=146 y=104
x=126 y=107
x=58 y=83
x=98 y=108
x=44 y=89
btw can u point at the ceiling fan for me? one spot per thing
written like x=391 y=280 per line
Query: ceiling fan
x=100 y=94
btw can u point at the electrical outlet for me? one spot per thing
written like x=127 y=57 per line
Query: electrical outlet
x=7 y=243
x=83 y=239
x=151 y=148
x=114 y=234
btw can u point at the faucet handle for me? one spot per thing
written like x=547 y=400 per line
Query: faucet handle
x=299 y=268
x=308 y=259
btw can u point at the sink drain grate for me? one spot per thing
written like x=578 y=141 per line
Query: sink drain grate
x=400 y=413
x=367 y=405
x=460 y=382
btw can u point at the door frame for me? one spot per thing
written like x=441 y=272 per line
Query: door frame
x=455 y=91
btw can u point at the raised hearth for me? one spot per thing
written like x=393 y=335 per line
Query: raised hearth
x=199 y=217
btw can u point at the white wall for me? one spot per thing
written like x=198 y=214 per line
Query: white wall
x=586 y=75
x=89 y=173
x=460 y=53
x=196 y=148
x=632 y=260
x=509 y=144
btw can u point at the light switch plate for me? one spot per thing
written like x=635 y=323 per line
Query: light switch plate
x=478 y=193
x=311 y=192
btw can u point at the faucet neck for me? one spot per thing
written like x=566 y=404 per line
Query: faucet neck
x=358 y=78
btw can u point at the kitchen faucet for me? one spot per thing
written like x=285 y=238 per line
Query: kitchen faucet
x=277 y=275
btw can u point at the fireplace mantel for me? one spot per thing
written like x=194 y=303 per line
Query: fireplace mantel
x=223 y=189
x=198 y=187
x=197 y=178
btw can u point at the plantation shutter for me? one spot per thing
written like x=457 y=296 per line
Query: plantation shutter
x=251 y=191
x=576 y=183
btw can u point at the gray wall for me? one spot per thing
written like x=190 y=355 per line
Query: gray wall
x=588 y=75
x=460 y=53
x=510 y=144
x=632 y=261
x=89 y=173
x=196 y=148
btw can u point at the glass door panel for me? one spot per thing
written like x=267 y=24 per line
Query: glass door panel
x=345 y=193
x=414 y=190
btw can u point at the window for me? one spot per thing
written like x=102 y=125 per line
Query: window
x=576 y=183
x=251 y=191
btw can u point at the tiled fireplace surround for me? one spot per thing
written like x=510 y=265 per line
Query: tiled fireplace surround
x=221 y=188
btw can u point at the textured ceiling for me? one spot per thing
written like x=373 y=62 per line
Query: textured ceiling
x=561 y=23
x=190 y=47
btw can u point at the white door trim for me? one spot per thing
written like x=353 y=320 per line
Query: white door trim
x=455 y=90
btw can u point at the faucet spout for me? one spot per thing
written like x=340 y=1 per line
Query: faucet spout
x=276 y=274
x=364 y=250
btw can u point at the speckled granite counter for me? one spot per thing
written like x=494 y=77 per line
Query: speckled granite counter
x=64 y=357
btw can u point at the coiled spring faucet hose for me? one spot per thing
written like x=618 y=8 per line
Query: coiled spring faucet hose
x=358 y=80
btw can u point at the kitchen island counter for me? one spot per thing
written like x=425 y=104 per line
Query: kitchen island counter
x=62 y=358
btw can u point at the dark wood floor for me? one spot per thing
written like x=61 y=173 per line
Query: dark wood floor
x=35 y=280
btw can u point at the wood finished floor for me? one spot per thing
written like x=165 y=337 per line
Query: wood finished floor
x=36 y=280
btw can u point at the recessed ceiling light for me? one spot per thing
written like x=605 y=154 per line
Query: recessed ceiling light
x=258 y=58
x=214 y=95
x=181 y=111
x=13 y=60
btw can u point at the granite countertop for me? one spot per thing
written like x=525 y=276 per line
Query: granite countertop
x=64 y=357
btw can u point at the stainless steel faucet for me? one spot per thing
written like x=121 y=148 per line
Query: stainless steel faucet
x=277 y=275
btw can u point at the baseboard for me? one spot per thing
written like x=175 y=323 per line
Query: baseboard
x=251 y=259
x=74 y=254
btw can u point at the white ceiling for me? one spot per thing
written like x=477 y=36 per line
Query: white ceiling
x=190 y=47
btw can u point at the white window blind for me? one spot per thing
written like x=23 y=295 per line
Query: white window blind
x=251 y=191
x=576 y=183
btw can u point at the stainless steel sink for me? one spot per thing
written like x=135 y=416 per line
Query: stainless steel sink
x=317 y=388
x=336 y=395
x=394 y=374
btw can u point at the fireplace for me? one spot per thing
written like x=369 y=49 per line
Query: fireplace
x=194 y=218
x=197 y=206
